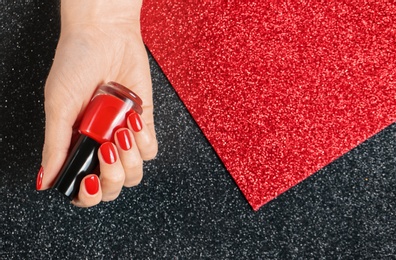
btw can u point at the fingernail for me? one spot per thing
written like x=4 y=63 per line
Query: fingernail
x=39 y=179
x=124 y=139
x=92 y=184
x=108 y=153
x=135 y=122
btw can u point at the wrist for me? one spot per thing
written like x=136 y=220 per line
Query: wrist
x=77 y=12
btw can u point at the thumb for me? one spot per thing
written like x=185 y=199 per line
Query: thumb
x=58 y=134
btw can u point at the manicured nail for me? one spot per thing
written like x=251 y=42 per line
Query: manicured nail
x=92 y=184
x=108 y=153
x=124 y=139
x=39 y=179
x=135 y=122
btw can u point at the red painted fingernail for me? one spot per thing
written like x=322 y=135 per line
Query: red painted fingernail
x=108 y=153
x=92 y=184
x=135 y=122
x=39 y=179
x=124 y=139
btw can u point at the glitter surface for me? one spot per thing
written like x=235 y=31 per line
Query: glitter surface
x=279 y=89
x=187 y=206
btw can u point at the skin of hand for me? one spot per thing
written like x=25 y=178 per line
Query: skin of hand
x=100 y=41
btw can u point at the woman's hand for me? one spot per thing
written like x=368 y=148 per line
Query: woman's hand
x=100 y=41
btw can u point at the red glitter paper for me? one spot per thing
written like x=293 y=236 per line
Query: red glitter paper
x=279 y=88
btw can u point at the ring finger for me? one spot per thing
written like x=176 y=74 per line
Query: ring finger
x=112 y=175
x=129 y=156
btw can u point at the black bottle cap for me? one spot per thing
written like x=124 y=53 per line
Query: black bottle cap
x=82 y=160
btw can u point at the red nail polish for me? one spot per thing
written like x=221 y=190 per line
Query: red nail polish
x=104 y=115
x=39 y=179
x=108 y=153
x=124 y=139
x=92 y=184
x=135 y=122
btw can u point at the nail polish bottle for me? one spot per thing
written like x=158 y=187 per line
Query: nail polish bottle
x=106 y=112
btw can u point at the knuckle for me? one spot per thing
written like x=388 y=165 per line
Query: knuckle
x=134 y=180
x=110 y=197
x=151 y=152
x=133 y=164
x=134 y=174
x=86 y=203
x=113 y=178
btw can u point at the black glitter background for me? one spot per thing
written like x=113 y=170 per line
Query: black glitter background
x=187 y=206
